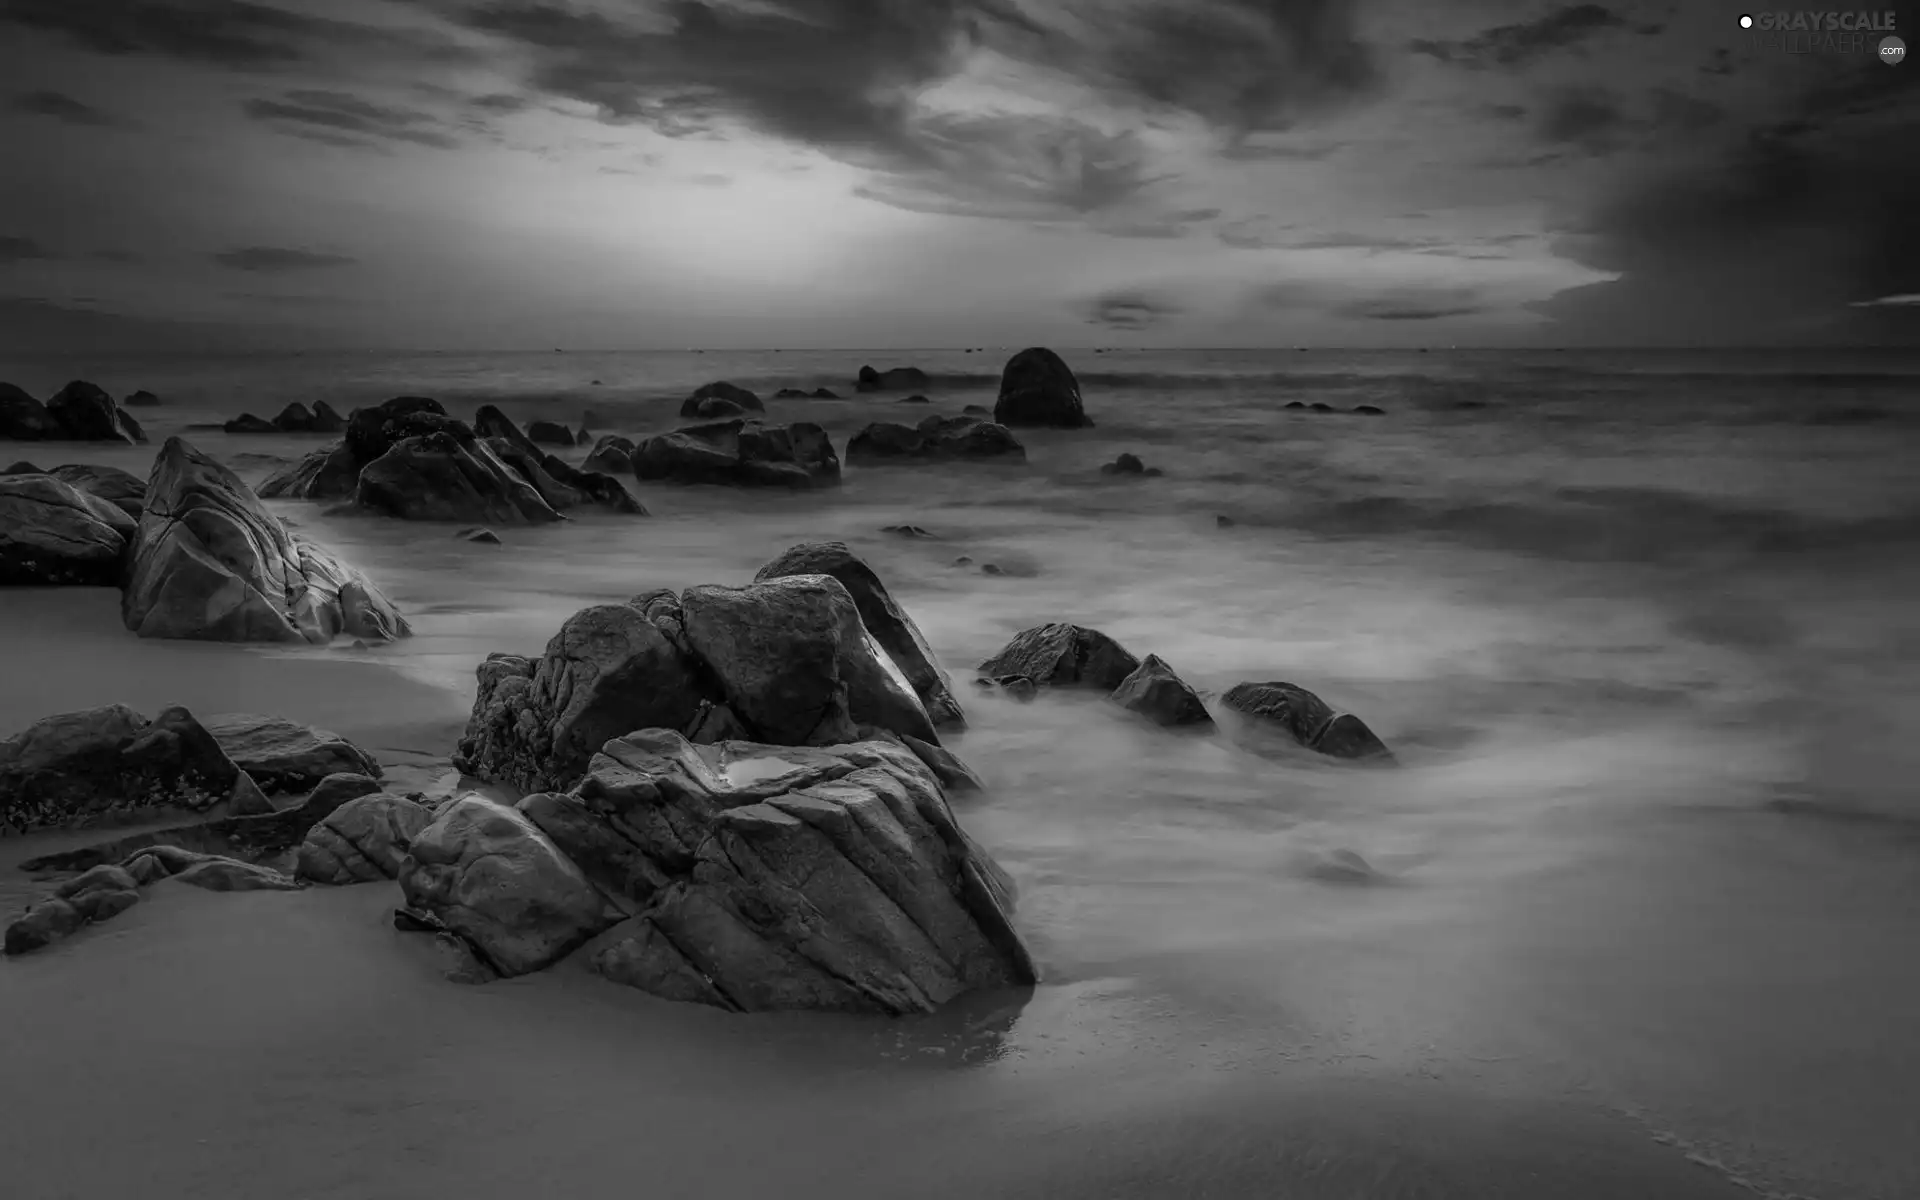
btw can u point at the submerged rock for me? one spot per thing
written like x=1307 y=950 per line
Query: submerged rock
x=1038 y=389
x=286 y=756
x=741 y=453
x=210 y=562
x=1308 y=719
x=215 y=874
x=1161 y=696
x=480 y=534
x=720 y=400
x=79 y=769
x=896 y=379
x=54 y=534
x=1060 y=655
x=936 y=437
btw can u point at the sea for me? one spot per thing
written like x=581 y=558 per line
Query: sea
x=1640 y=627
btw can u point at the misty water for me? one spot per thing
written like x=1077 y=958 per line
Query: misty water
x=1640 y=629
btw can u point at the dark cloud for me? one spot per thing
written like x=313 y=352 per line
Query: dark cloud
x=61 y=107
x=1015 y=166
x=1518 y=44
x=236 y=34
x=20 y=249
x=1503 y=112
x=1131 y=309
x=1255 y=149
x=1161 y=225
x=1263 y=233
x=334 y=115
x=1679 y=111
x=1358 y=241
x=711 y=179
x=276 y=259
x=1589 y=118
x=1355 y=303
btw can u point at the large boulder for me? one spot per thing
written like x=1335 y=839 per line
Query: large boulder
x=1037 y=389
x=741 y=453
x=550 y=433
x=563 y=485
x=449 y=475
x=1161 y=696
x=210 y=562
x=936 y=437
x=612 y=454
x=122 y=489
x=362 y=841
x=492 y=877
x=83 y=412
x=295 y=418
x=286 y=756
x=105 y=764
x=1307 y=719
x=889 y=624
x=755 y=877
x=328 y=474
x=708 y=402
x=895 y=379
x=53 y=534
x=23 y=418
x=372 y=430
x=1061 y=655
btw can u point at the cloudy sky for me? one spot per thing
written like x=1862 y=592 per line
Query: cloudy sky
x=874 y=173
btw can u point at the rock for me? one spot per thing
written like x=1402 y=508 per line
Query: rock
x=825 y=394
x=550 y=433
x=976 y=410
x=106 y=876
x=559 y=484
x=913 y=400
x=489 y=422
x=23 y=467
x=1059 y=655
x=82 y=412
x=741 y=453
x=710 y=402
x=142 y=399
x=897 y=379
x=935 y=437
x=362 y=841
x=491 y=875
x=612 y=454
x=757 y=878
x=1038 y=389
x=992 y=569
x=83 y=768
x=329 y=474
x=1308 y=719
x=326 y=420
x=122 y=489
x=796 y=664
x=1126 y=464
x=963 y=561
x=788 y=393
x=372 y=431
x=338 y=788
x=22 y=418
x=449 y=475
x=481 y=534
x=286 y=756
x=907 y=531
x=248 y=423
x=899 y=637
x=1017 y=687
x=459 y=961
x=42 y=925
x=294 y=418
x=593 y=418
x=954 y=775
x=104 y=904
x=1296 y=404
x=1369 y=410
x=209 y=562
x=146 y=869
x=1156 y=693
x=53 y=534
x=1320 y=408
x=1223 y=521
x=231 y=875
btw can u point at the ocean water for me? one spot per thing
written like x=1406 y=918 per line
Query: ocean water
x=1641 y=628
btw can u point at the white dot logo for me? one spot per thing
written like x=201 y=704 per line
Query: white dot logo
x=1746 y=22
x=1892 y=50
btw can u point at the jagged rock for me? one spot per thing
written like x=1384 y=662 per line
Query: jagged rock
x=23 y=418
x=889 y=624
x=491 y=875
x=295 y=418
x=946 y=766
x=122 y=489
x=83 y=768
x=1038 y=389
x=328 y=474
x=54 y=534
x=142 y=399
x=286 y=756
x=755 y=877
x=42 y=925
x=248 y=423
x=449 y=475
x=480 y=534
x=612 y=454
x=231 y=875
x=82 y=412
x=708 y=402
x=210 y=562
x=741 y=453
x=326 y=420
x=1126 y=464
x=825 y=394
x=896 y=379
x=372 y=431
x=362 y=841
x=1161 y=696
x=1308 y=719
x=936 y=437
x=1060 y=655
x=562 y=485
x=551 y=433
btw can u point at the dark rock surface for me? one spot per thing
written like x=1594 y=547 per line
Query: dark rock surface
x=79 y=769
x=1161 y=696
x=209 y=562
x=362 y=841
x=1038 y=389
x=936 y=437
x=825 y=394
x=142 y=399
x=550 y=433
x=286 y=756
x=741 y=453
x=23 y=418
x=612 y=454
x=122 y=489
x=53 y=534
x=1060 y=655
x=711 y=401
x=908 y=531
x=895 y=379
x=481 y=534
x=295 y=418
x=248 y=423
x=1308 y=719
x=450 y=475
x=328 y=474
x=83 y=412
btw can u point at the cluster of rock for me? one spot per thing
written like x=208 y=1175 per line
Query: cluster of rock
x=896 y=379
x=935 y=438
x=1073 y=656
x=53 y=533
x=1320 y=406
x=294 y=418
x=78 y=412
x=720 y=401
x=742 y=453
x=787 y=393
x=407 y=458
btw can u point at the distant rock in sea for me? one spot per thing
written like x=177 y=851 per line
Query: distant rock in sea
x=1060 y=655
x=549 y=433
x=612 y=453
x=741 y=452
x=719 y=401
x=142 y=399
x=895 y=379
x=1038 y=389
x=1161 y=696
x=248 y=423
x=1307 y=719
x=1129 y=464
x=79 y=412
x=935 y=437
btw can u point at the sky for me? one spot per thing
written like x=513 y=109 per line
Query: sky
x=664 y=174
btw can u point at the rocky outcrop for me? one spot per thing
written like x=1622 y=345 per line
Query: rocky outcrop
x=562 y=485
x=449 y=475
x=786 y=660
x=1159 y=695
x=329 y=474
x=100 y=765
x=53 y=534
x=248 y=423
x=741 y=453
x=895 y=379
x=936 y=437
x=825 y=394
x=550 y=433
x=1060 y=655
x=122 y=489
x=142 y=399
x=23 y=418
x=889 y=624
x=362 y=841
x=89 y=898
x=286 y=756
x=711 y=401
x=83 y=412
x=1307 y=719
x=612 y=454
x=209 y=562
x=1037 y=389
